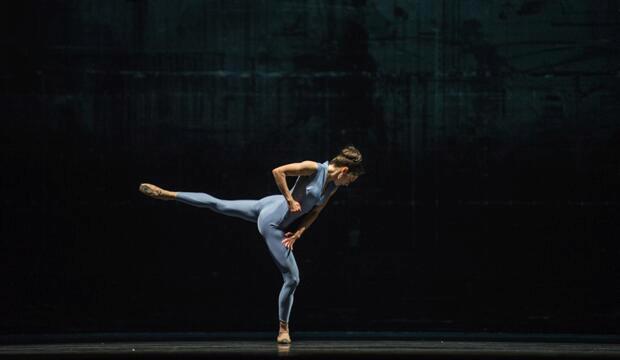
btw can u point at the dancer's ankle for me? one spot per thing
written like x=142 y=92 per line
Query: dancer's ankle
x=283 y=326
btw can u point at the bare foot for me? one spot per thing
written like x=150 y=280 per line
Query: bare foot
x=283 y=335
x=156 y=192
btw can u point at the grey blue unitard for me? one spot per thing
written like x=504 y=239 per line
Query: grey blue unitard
x=272 y=216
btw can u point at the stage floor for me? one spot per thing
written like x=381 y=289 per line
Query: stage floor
x=312 y=348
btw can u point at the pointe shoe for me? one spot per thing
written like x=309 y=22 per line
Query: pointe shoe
x=153 y=191
x=284 y=338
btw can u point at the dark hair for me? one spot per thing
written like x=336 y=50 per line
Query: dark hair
x=350 y=157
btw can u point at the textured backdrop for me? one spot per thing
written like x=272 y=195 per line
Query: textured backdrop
x=489 y=129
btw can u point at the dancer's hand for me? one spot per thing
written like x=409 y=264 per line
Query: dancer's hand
x=294 y=206
x=289 y=239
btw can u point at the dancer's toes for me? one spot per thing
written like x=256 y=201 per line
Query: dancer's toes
x=153 y=191
x=284 y=338
x=148 y=189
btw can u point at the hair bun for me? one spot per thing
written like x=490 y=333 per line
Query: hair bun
x=352 y=154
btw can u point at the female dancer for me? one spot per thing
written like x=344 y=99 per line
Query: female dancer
x=316 y=183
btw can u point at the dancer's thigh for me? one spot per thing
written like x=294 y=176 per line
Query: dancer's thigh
x=283 y=256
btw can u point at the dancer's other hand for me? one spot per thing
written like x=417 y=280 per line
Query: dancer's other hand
x=294 y=206
x=289 y=239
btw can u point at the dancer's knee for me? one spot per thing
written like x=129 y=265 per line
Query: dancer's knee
x=292 y=280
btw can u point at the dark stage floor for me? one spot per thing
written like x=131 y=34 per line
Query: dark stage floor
x=208 y=346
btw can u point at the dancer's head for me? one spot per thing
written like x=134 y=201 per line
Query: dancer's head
x=348 y=164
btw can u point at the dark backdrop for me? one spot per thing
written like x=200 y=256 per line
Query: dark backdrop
x=489 y=130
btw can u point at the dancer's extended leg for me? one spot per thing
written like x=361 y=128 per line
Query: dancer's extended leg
x=244 y=209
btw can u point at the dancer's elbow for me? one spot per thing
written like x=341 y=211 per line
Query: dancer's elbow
x=277 y=173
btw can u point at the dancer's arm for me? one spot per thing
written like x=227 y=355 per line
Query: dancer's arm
x=306 y=222
x=280 y=173
x=311 y=216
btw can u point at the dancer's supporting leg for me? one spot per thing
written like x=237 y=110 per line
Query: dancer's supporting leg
x=287 y=292
x=285 y=260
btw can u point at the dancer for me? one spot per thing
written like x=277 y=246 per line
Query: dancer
x=316 y=183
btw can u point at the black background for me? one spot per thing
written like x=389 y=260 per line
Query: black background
x=489 y=131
